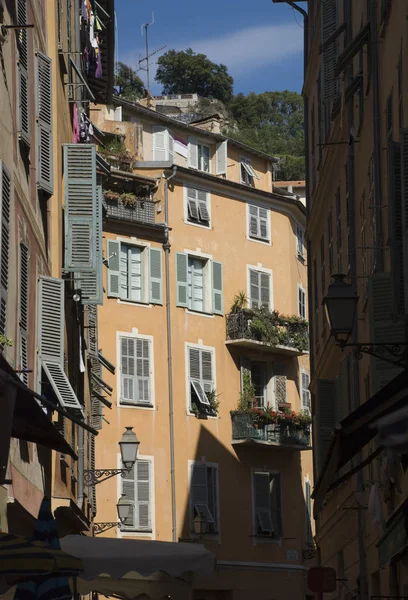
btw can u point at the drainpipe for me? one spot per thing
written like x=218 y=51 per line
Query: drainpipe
x=80 y=466
x=166 y=247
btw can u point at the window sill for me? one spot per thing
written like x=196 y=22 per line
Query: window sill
x=301 y=258
x=125 y=404
x=267 y=539
x=191 y=414
x=190 y=311
x=138 y=532
x=259 y=240
x=188 y=222
x=134 y=302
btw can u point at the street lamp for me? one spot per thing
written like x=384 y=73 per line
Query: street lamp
x=129 y=445
x=123 y=507
x=340 y=305
x=200 y=525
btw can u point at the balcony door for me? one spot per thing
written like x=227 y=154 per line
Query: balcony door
x=259 y=381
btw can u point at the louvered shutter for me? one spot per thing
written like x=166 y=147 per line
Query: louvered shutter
x=325 y=419
x=192 y=204
x=218 y=302
x=308 y=505
x=383 y=329
x=96 y=404
x=192 y=153
x=143 y=371
x=143 y=499
x=245 y=368
x=80 y=207
x=23 y=317
x=343 y=390
x=92 y=330
x=159 y=143
x=276 y=504
x=199 y=492
x=207 y=371
x=265 y=280
x=404 y=195
x=181 y=279
x=195 y=374
x=262 y=502
x=263 y=223
x=255 y=292
x=23 y=85
x=45 y=176
x=280 y=378
x=155 y=269
x=221 y=158
x=91 y=283
x=128 y=370
x=128 y=488
x=253 y=225
x=93 y=464
x=51 y=339
x=202 y=200
x=170 y=146
x=113 y=255
x=395 y=226
x=5 y=199
x=328 y=27
x=305 y=391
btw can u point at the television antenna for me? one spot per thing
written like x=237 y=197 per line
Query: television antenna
x=145 y=30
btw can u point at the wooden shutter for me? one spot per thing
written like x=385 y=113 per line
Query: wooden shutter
x=262 y=504
x=113 y=255
x=281 y=384
x=155 y=269
x=181 y=279
x=328 y=27
x=207 y=371
x=196 y=374
x=199 y=493
x=255 y=292
x=143 y=495
x=92 y=330
x=128 y=488
x=96 y=404
x=192 y=152
x=305 y=391
x=80 y=207
x=45 y=176
x=23 y=310
x=253 y=225
x=170 y=146
x=143 y=395
x=192 y=205
x=91 y=283
x=202 y=200
x=395 y=226
x=23 y=84
x=263 y=223
x=5 y=207
x=325 y=419
x=218 y=303
x=404 y=196
x=221 y=158
x=265 y=285
x=383 y=329
x=128 y=392
x=159 y=143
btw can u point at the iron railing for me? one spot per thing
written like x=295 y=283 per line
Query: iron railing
x=247 y=427
x=142 y=210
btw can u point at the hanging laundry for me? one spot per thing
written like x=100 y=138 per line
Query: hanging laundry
x=98 y=72
x=75 y=124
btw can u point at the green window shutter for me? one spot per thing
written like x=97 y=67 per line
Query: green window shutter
x=128 y=391
x=128 y=488
x=192 y=152
x=96 y=404
x=23 y=85
x=5 y=208
x=91 y=283
x=328 y=27
x=156 y=277
x=143 y=395
x=218 y=302
x=199 y=493
x=262 y=504
x=92 y=330
x=45 y=177
x=113 y=255
x=181 y=279
x=325 y=419
x=23 y=310
x=404 y=194
x=395 y=226
x=51 y=319
x=160 y=143
x=143 y=499
x=221 y=158
x=383 y=329
x=207 y=371
x=80 y=207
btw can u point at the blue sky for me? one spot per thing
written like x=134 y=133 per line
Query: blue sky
x=260 y=42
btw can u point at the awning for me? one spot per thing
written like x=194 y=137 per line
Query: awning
x=155 y=587
x=356 y=431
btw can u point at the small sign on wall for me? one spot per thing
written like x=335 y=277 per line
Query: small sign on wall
x=292 y=555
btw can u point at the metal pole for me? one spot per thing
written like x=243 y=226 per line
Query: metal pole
x=147 y=58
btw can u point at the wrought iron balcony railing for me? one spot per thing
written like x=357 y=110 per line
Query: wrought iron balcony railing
x=142 y=210
x=247 y=428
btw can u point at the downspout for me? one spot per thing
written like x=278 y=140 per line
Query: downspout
x=80 y=467
x=166 y=247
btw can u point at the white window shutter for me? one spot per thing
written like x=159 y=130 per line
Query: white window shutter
x=170 y=146
x=113 y=256
x=195 y=364
x=128 y=391
x=143 y=371
x=305 y=391
x=255 y=291
x=128 y=488
x=202 y=199
x=45 y=175
x=263 y=223
x=182 y=279
x=5 y=208
x=155 y=270
x=192 y=152
x=262 y=503
x=253 y=217
x=160 y=143
x=23 y=310
x=207 y=371
x=80 y=207
x=192 y=204
x=143 y=499
x=218 y=301
x=265 y=281
x=221 y=158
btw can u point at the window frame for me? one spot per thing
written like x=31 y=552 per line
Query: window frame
x=260 y=269
x=187 y=219
x=211 y=349
x=258 y=239
x=207 y=287
x=248 y=179
x=217 y=520
x=259 y=537
x=300 y=233
x=145 y=271
x=123 y=533
x=200 y=167
x=301 y=289
x=303 y=406
x=127 y=405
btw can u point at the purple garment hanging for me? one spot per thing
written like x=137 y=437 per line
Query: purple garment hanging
x=75 y=124
x=98 y=72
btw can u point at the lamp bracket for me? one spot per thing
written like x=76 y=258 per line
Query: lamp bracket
x=94 y=476
x=399 y=352
x=101 y=527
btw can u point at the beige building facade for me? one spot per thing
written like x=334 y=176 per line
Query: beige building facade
x=204 y=318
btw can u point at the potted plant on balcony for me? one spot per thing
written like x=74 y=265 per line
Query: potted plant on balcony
x=202 y=411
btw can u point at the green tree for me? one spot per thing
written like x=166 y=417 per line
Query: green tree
x=186 y=72
x=129 y=85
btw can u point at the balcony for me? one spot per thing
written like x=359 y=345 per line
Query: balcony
x=249 y=429
x=140 y=210
x=267 y=331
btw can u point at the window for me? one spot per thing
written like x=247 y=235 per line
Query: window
x=281 y=384
x=204 y=494
x=301 y=302
x=198 y=202
x=259 y=289
x=300 y=242
x=135 y=272
x=203 y=158
x=305 y=381
x=199 y=155
x=258 y=223
x=135 y=371
x=137 y=484
x=200 y=377
x=308 y=505
x=267 y=504
x=259 y=382
x=247 y=172
x=5 y=205
x=23 y=312
x=163 y=144
x=199 y=283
